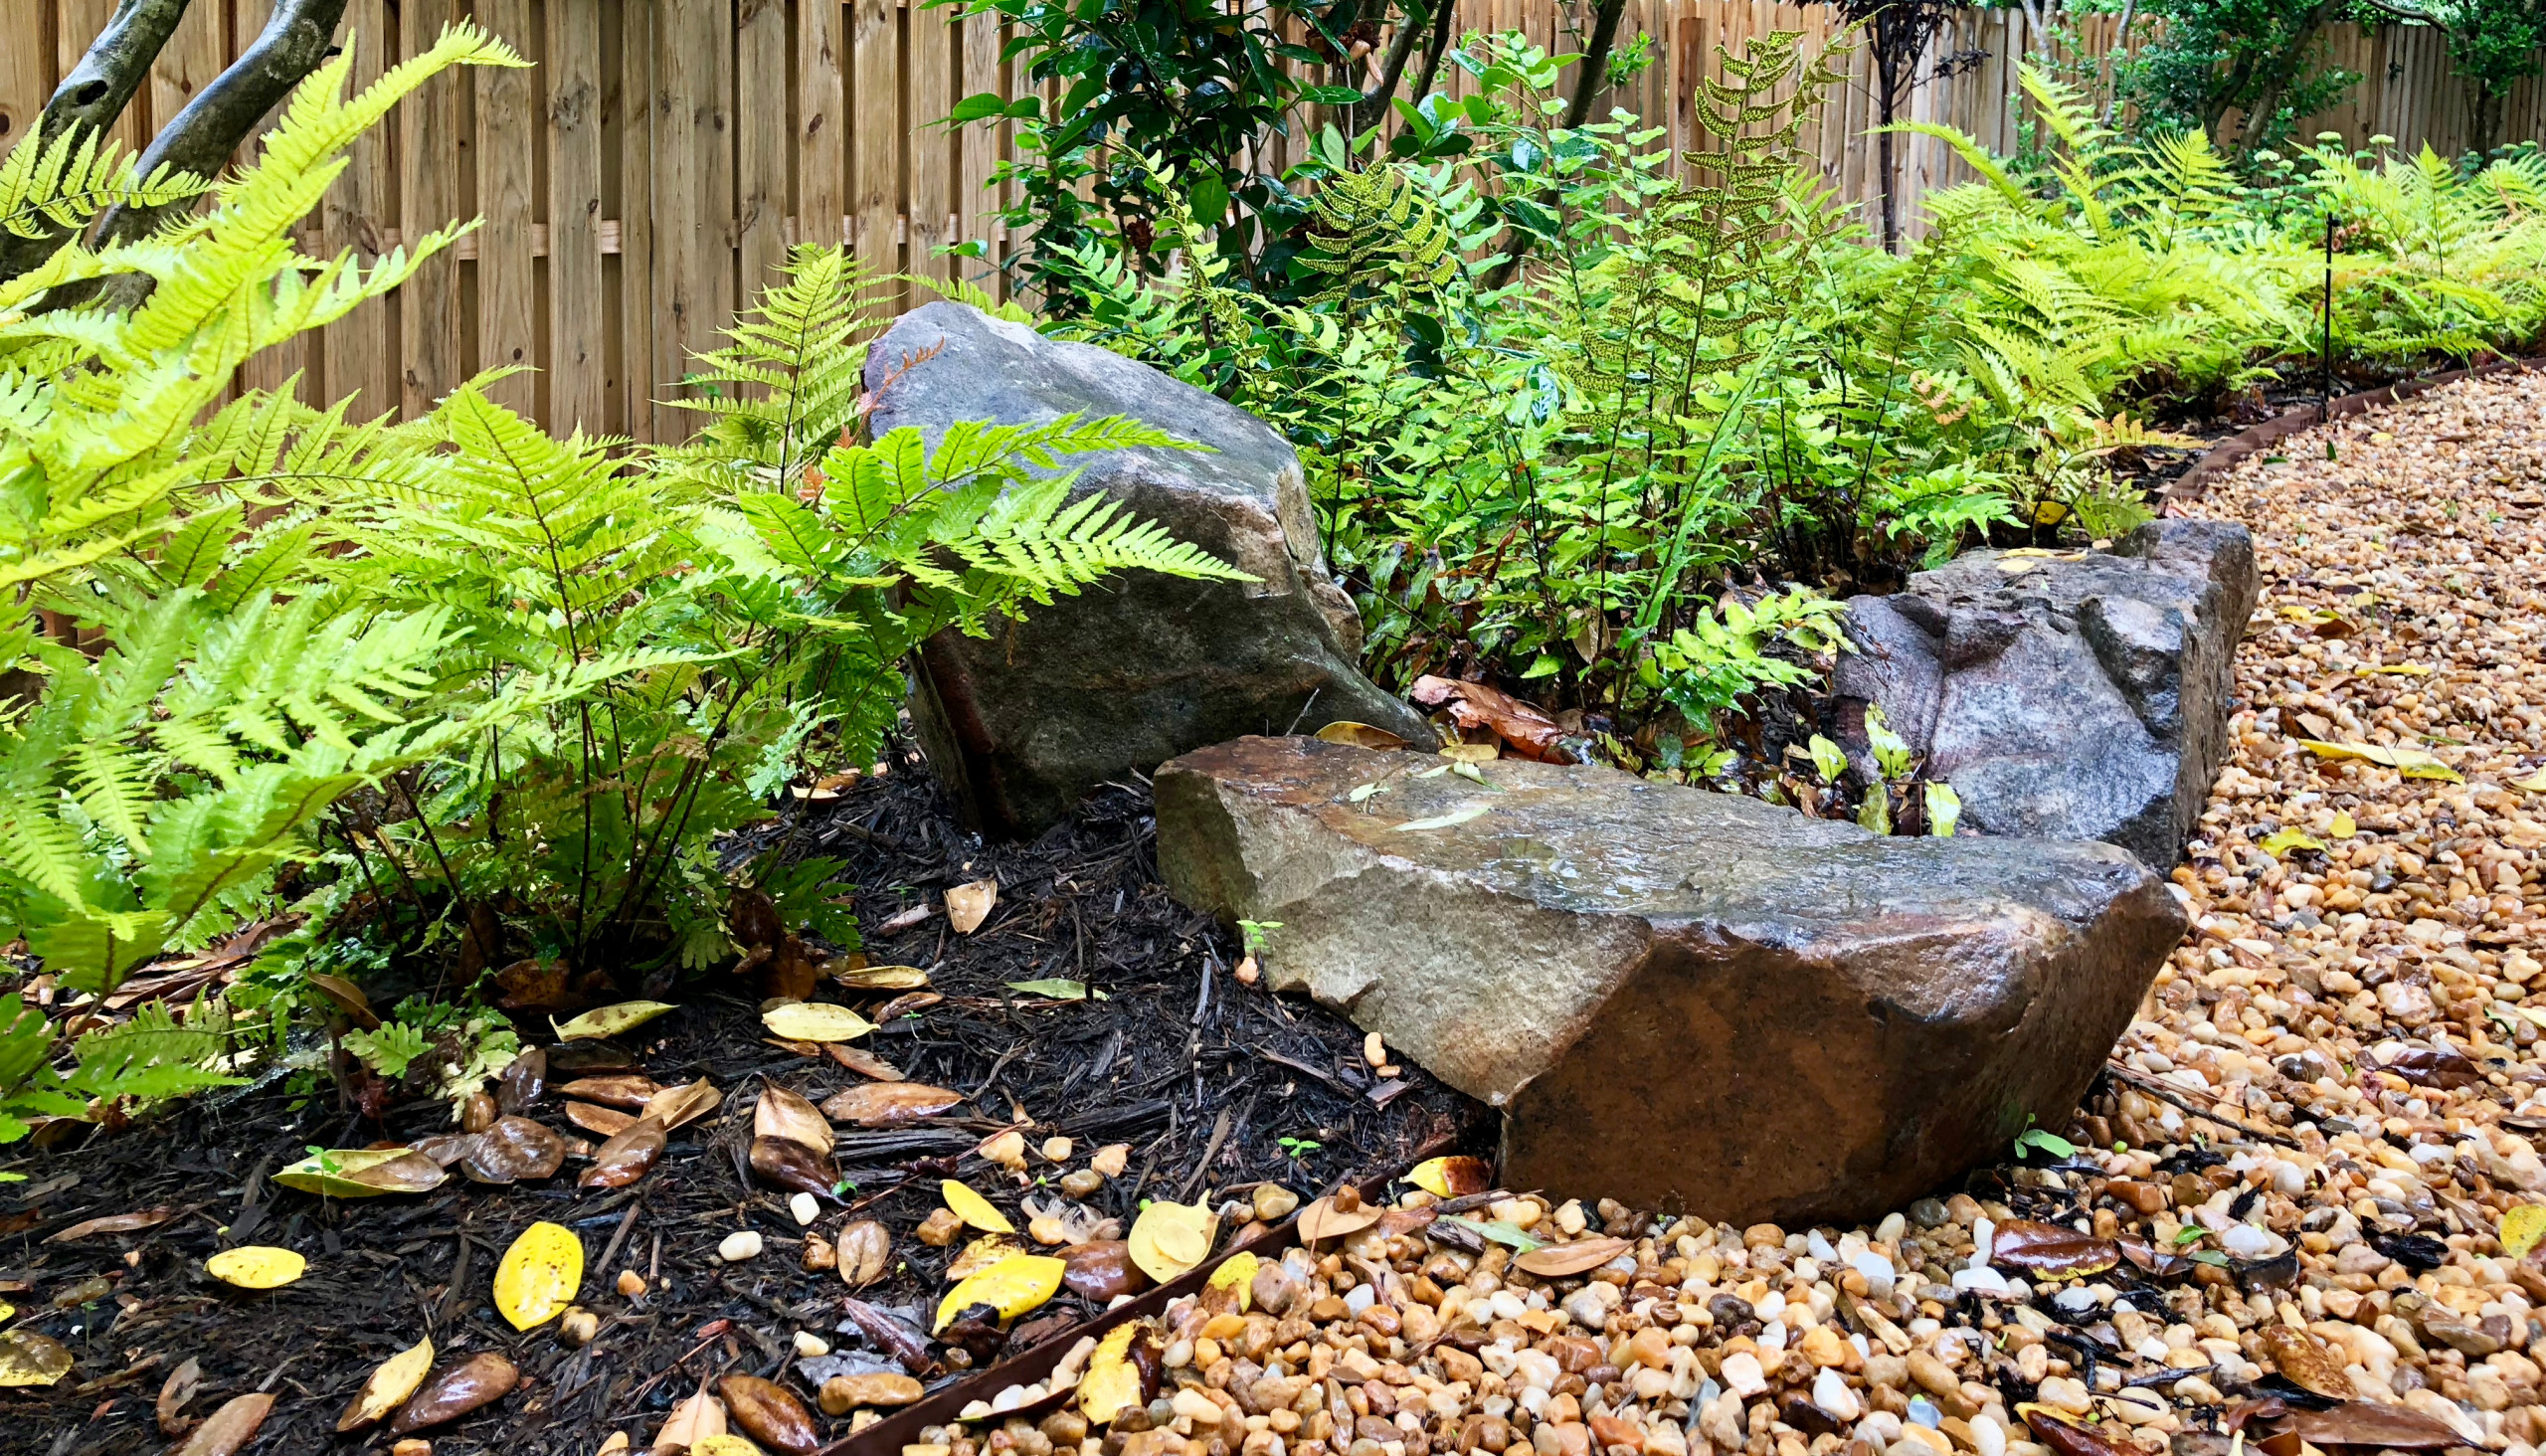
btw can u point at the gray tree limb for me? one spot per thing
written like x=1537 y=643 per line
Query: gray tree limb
x=1372 y=109
x=91 y=96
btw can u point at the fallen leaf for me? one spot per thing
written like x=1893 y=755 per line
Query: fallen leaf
x=534 y=985
x=2360 y=1424
x=347 y=996
x=29 y=1358
x=905 y=1005
x=390 y=1384
x=2071 y=1438
x=617 y=1089
x=539 y=1275
x=1452 y=1177
x=2302 y=1359
x=1555 y=1261
x=882 y=978
x=2343 y=826
x=363 y=1173
x=180 y=1388
x=253 y=1266
x=1169 y=1239
x=814 y=1021
x=592 y=1117
x=1359 y=735
x=692 y=1422
x=1012 y=1286
x=1116 y=1376
x=966 y=906
x=788 y=1164
x=1501 y=1231
x=2050 y=1250
x=1057 y=988
x=2412 y=763
x=1473 y=705
x=981 y=1253
x=1229 y=1289
x=515 y=1148
x=482 y=1380
x=675 y=1107
x=781 y=1113
x=602 y=1022
x=232 y=1427
x=865 y=1063
x=1321 y=1220
x=2278 y=844
x=2521 y=1228
x=770 y=1413
x=724 y=1445
x=864 y=1248
x=1470 y=811
x=972 y=1208
x=889 y=1104
x=524 y=1078
x=124 y=1222
x=2427 y=1066
x=2533 y=784
x=625 y=1157
x=1470 y=753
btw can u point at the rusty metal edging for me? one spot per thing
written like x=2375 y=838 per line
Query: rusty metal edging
x=2193 y=484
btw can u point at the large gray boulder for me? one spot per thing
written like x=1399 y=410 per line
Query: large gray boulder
x=1678 y=999
x=1123 y=677
x=2077 y=697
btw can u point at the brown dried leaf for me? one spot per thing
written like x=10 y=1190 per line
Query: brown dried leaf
x=783 y=1114
x=348 y=999
x=1473 y=705
x=789 y=1164
x=2050 y=1250
x=617 y=1089
x=2303 y=1359
x=180 y=1388
x=1323 y=1220
x=904 y=1005
x=770 y=1413
x=1555 y=1261
x=515 y=1148
x=625 y=1157
x=865 y=1247
x=865 y=1063
x=2067 y=1437
x=609 y=1122
x=523 y=1079
x=966 y=906
x=229 y=1428
x=1359 y=735
x=2359 y=1423
x=481 y=1381
x=114 y=1223
x=882 y=978
x=445 y=1149
x=692 y=1422
x=889 y=1104
x=2426 y=1067
x=29 y=1358
x=675 y=1106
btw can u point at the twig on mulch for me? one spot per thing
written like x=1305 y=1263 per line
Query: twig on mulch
x=2157 y=1089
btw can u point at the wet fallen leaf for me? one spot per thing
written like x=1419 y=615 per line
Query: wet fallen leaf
x=363 y=1173
x=602 y=1022
x=865 y=1063
x=390 y=1384
x=2067 y=1437
x=1115 y=1375
x=1102 y=1268
x=515 y=1148
x=864 y=1248
x=121 y=1223
x=175 y=1393
x=787 y=1163
x=481 y=1381
x=2412 y=763
x=783 y=1114
x=1012 y=1286
x=1452 y=1177
x=522 y=1081
x=253 y=1266
x=770 y=1413
x=2050 y=1250
x=692 y=1422
x=2278 y=844
x=1058 y=987
x=2360 y=1424
x=675 y=1107
x=1473 y=705
x=1359 y=735
x=1169 y=1239
x=905 y=1005
x=617 y=1089
x=981 y=1253
x=539 y=1275
x=882 y=978
x=2425 y=1066
x=29 y=1358
x=972 y=1208
x=228 y=1429
x=445 y=1149
x=347 y=996
x=629 y=1155
x=889 y=1104
x=2343 y=826
x=1229 y=1289
x=1555 y=1261
x=2533 y=784
x=725 y=1445
x=592 y=1117
x=2521 y=1228
x=966 y=906
x=2149 y=1259
x=1321 y=1220
x=816 y=1021
x=2302 y=1358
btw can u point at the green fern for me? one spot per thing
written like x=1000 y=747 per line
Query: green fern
x=68 y=182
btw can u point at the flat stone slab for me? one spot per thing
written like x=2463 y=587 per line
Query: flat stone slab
x=2074 y=696
x=1679 y=998
x=1139 y=668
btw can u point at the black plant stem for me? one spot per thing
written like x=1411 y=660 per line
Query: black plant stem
x=2325 y=409
x=407 y=792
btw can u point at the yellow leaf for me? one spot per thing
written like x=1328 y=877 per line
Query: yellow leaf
x=1237 y=1272
x=29 y=1358
x=882 y=978
x=2342 y=828
x=972 y=1208
x=1359 y=735
x=1112 y=1380
x=1169 y=1239
x=2399 y=669
x=609 y=1021
x=253 y=1266
x=1432 y=1176
x=1470 y=753
x=363 y=1173
x=724 y=1443
x=1012 y=1286
x=2521 y=1228
x=981 y=1253
x=2533 y=784
x=2412 y=763
x=389 y=1386
x=814 y=1021
x=539 y=1275
x=2281 y=842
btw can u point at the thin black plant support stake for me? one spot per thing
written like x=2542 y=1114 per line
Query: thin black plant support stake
x=2326 y=378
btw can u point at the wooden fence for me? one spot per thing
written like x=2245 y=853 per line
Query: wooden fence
x=652 y=168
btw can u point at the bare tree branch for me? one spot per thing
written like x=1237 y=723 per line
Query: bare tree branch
x=91 y=96
x=1594 y=76
x=1373 y=108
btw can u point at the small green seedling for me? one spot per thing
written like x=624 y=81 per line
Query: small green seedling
x=2045 y=1141
x=1298 y=1148
x=1251 y=934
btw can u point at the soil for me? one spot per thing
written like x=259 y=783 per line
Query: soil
x=1214 y=1085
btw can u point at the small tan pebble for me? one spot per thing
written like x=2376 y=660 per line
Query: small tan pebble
x=616 y=1443
x=844 y=1393
x=1373 y=1050
x=1007 y=1149
x=810 y=1345
x=1110 y=1160
x=1570 y=1217
x=1247 y=974
x=939 y=1228
x=806 y=1207
x=578 y=1326
x=1082 y=1182
x=413 y=1446
x=1056 y=1150
x=631 y=1283
x=819 y=1255
x=862 y=1419
x=740 y=1245
x=1274 y=1202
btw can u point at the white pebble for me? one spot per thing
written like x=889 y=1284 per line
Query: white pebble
x=1891 y=1229
x=1986 y=1280
x=1879 y=1274
x=1361 y=1297
x=1987 y=1436
x=1742 y=1376
x=806 y=1207
x=1982 y=1231
x=739 y=1246
x=810 y=1345
x=1837 y=1402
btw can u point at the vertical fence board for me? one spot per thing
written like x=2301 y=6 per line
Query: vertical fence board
x=762 y=141
x=822 y=118
x=875 y=191
x=508 y=315
x=933 y=150
x=428 y=196
x=359 y=350
x=577 y=377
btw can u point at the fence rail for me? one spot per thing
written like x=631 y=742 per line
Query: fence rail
x=653 y=167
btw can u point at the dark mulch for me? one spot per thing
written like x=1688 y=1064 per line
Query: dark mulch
x=1202 y=1076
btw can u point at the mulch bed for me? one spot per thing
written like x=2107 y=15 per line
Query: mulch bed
x=1203 y=1077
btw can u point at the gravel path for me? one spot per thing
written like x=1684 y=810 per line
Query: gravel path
x=2294 y=1189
